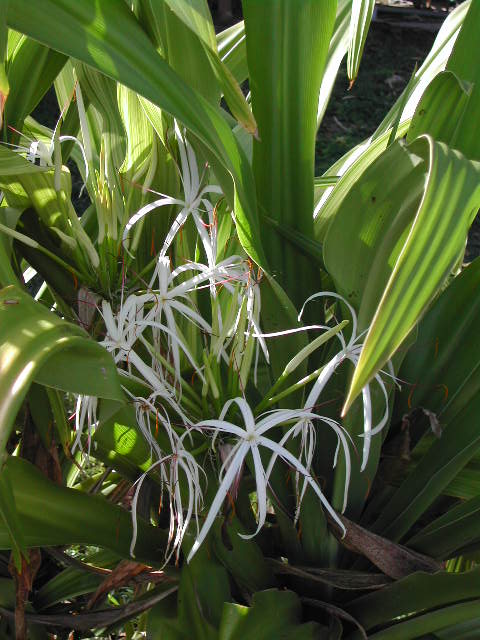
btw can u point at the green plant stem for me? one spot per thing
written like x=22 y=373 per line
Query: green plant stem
x=269 y=400
x=196 y=400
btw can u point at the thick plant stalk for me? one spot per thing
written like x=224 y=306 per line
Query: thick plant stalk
x=287 y=46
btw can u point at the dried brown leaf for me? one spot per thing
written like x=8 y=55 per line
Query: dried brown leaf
x=123 y=574
x=394 y=560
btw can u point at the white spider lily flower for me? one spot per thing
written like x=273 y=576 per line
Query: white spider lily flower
x=38 y=150
x=178 y=463
x=168 y=299
x=86 y=412
x=241 y=272
x=44 y=152
x=144 y=408
x=165 y=300
x=305 y=428
x=350 y=351
x=122 y=333
x=225 y=450
x=249 y=440
x=194 y=200
x=121 y=330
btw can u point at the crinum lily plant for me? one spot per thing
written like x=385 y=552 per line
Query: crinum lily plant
x=150 y=322
x=237 y=400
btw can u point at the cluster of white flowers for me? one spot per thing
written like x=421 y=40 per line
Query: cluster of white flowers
x=151 y=321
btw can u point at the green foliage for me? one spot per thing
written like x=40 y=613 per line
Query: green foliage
x=171 y=315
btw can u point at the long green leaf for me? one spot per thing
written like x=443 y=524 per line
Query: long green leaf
x=440 y=464
x=466 y=67
x=372 y=211
x=30 y=338
x=72 y=582
x=434 y=243
x=457 y=528
x=287 y=46
x=362 y=11
x=31 y=71
x=442 y=369
x=51 y=515
x=273 y=614
x=415 y=594
x=196 y=15
x=336 y=52
x=430 y=622
x=382 y=215
x=233 y=51
x=433 y=64
x=10 y=521
x=348 y=170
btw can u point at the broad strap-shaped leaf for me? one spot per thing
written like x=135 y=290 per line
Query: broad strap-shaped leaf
x=35 y=343
x=336 y=52
x=13 y=164
x=243 y=559
x=118 y=443
x=287 y=46
x=435 y=240
x=204 y=587
x=232 y=50
x=415 y=594
x=51 y=515
x=433 y=621
x=139 y=134
x=355 y=162
x=273 y=614
x=447 y=535
x=30 y=187
x=371 y=210
x=442 y=370
x=72 y=582
x=362 y=12
x=4 y=86
x=101 y=92
x=8 y=218
x=31 y=70
x=196 y=15
x=96 y=33
x=52 y=204
x=10 y=521
x=348 y=169
x=447 y=455
x=380 y=211
x=466 y=67
x=441 y=110
x=7 y=274
x=184 y=30
x=435 y=62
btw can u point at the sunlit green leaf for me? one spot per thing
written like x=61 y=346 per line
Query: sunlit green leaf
x=38 y=344
x=435 y=240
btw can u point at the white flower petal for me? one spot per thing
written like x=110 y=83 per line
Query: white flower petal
x=220 y=496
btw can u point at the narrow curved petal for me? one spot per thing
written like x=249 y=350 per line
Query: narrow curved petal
x=220 y=496
x=332 y=294
x=261 y=485
x=296 y=464
x=162 y=202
